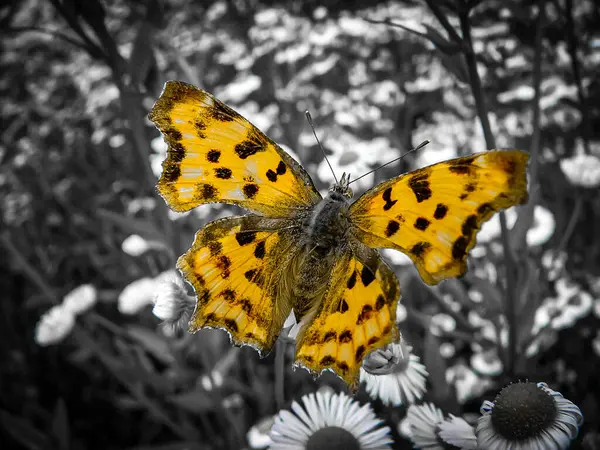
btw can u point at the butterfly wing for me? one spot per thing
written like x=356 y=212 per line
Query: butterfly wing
x=433 y=214
x=356 y=316
x=235 y=266
x=215 y=155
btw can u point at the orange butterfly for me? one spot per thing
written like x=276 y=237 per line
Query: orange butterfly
x=314 y=255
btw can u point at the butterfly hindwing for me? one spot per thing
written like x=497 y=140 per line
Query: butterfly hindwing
x=433 y=214
x=356 y=316
x=215 y=155
x=235 y=265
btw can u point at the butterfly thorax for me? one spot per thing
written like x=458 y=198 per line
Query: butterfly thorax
x=328 y=224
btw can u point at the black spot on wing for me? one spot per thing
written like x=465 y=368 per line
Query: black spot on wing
x=421 y=223
x=250 y=190
x=392 y=227
x=352 y=280
x=485 y=209
x=330 y=336
x=343 y=307
x=387 y=198
x=271 y=175
x=247 y=148
x=213 y=156
x=366 y=276
x=360 y=353
x=469 y=226
x=207 y=191
x=228 y=294
x=259 y=251
x=419 y=183
x=459 y=249
x=245 y=237
x=171 y=172
x=223 y=173
x=246 y=305
x=366 y=312
x=200 y=127
x=231 y=325
x=419 y=248
x=345 y=336
x=281 y=168
x=440 y=211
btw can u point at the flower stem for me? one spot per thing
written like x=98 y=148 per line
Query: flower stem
x=571 y=225
x=482 y=112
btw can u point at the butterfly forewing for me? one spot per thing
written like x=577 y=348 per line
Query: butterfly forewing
x=235 y=266
x=215 y=155
x=356 y=316
x=433 y=214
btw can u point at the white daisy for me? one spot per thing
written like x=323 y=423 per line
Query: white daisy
x=54 y=326
x=528 y=416
x=329 y=421
x=424 y=421
x=429 y=430
x=456 y=431
x=394 y=374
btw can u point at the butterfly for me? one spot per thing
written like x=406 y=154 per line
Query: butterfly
x=316 y=256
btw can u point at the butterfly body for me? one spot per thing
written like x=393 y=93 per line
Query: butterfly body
x=314 y=256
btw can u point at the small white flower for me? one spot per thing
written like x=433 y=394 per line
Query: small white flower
x=394 y=375
x=582 y=170
x=80 y=299
x=563 y=311
x=525 y=416
x=136 y=296
x=466 y=382
x=55 y=325
x=136 y=245
x=487 y=362
x=456 y=431
x=329 y=421
x=171 y=303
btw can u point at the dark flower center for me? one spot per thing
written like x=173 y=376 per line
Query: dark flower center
x=332 y=438
x=522 y=410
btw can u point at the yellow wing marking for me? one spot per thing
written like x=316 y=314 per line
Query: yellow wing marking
x=357 y=315
x=215 y=155
x=433 y=214
x=234 y=270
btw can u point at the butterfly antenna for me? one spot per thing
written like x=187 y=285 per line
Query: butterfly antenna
x=421 y=145
x=310 y=122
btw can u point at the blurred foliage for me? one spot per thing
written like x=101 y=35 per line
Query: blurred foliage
x=78 y=164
